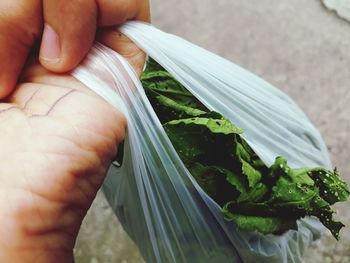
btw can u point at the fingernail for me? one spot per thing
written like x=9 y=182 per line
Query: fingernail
x=50 y=49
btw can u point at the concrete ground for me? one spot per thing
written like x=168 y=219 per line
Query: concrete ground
x=297 y=45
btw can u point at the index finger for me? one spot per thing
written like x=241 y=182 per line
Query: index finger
x=20 y=25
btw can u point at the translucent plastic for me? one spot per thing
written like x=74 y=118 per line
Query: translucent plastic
x=155 y=198
x=274 y=125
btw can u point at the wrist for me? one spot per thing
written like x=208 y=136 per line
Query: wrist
x=36 y=230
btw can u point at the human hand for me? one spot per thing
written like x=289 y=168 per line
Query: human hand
x=68 y=29
x=57 y=140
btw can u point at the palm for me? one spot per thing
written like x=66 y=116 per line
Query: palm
x=57 y=140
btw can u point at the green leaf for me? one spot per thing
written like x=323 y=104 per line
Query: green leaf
x=242 y=153
x=264 y=225
x=206 y=177
x=162 y=83
x=255 y=194
x=214 y=179
x=222 y=126
x=257 y=197
x=332 y=188
x=152 y=66
x=253 y=175
x=165 y=101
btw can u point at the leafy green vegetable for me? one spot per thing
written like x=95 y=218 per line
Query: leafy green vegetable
x=256 y=197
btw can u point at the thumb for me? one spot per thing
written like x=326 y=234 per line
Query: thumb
x=70 y=27
x=69 y=32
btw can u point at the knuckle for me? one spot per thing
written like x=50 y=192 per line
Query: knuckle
x=72 y=7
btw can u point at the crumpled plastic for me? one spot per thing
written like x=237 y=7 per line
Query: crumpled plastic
x=154 y=196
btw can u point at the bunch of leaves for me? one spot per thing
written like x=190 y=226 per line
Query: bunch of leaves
x=256 y=197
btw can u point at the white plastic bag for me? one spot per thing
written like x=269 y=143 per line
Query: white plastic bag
x=155 y=198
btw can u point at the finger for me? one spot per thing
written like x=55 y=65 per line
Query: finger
x=136 y=10
x=20 y=26
x=124 y=46
x=115 y=12
x=70 y=27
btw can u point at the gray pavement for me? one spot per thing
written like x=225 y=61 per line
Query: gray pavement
x=297 y=45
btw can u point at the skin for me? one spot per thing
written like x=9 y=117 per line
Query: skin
x=25 y=23
x=57 y=141
x=57 y=138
